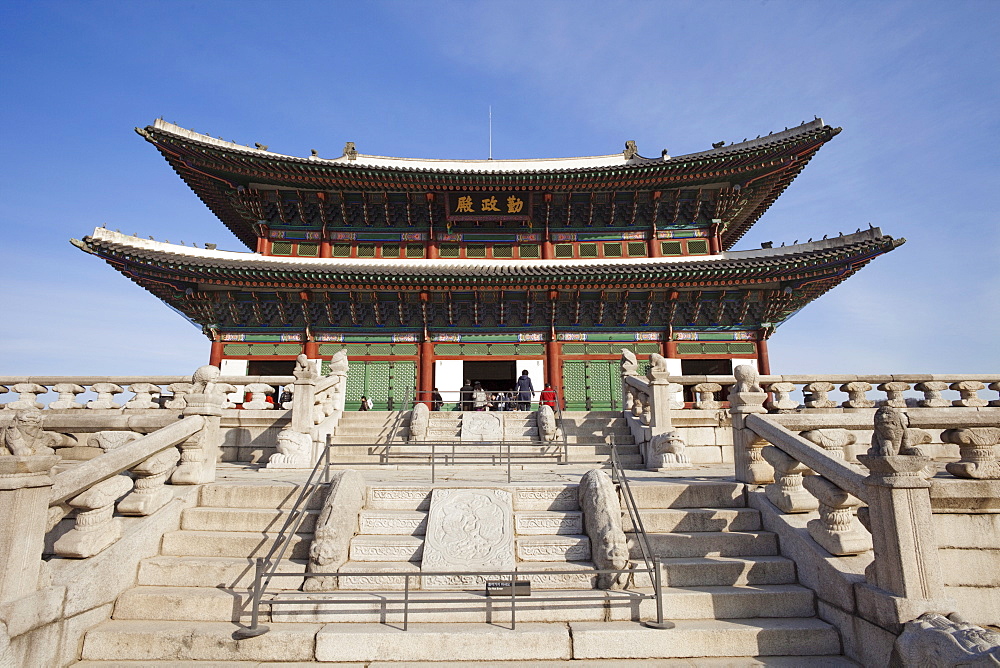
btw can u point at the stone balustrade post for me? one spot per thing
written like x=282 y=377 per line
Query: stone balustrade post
x=837 y=530
x=904 y=580
x=628 y=397
x=996 y=388
x=817 y=395
x=967 y=389
x=782 y=401
x=150 y=493
x=304 y=395
x=68 y=392
x=658 y=405
x=96 y=527
x=787 y=492
x=932 y=394
x=105 y=396
x=977 y=447
x=179 y=390
x=706 y=396
x=856 y=394
x=200 y=452
x=746 y=398
x=637 y=403
x=143 y=399
x=27 y=397
x=25 y=488
x=894 y=394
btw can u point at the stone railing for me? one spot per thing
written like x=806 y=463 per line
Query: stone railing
x=129 y=393
x=881 y=505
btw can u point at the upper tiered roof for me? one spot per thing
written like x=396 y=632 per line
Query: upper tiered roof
x=751 y=173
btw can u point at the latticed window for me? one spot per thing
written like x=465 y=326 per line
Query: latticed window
x=528 y=251
x=637 y=249
x=390 y=250
x=281 y=248
x=448 y=250
x=613 y=249
x=698 y=247
x=670 y=248
x=564 y=250
x=366 y=250
x=589 y=250
x=309 y=250
x=341 y=250
x=503 y=251
x=414 y=250
x=475 y=251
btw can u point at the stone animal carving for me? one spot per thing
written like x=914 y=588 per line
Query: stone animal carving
x=893 y=435
x=109 y=440
x=657 y=363
x=667 y=450
x=629 y=363
x=935 y=641
x=25 y=437
x=338 y=363
x=335 y=527
x=419 y=422
x=746 y=379
x=546 y=419
x=203 y=381
x=294 y=449
x=602 y=515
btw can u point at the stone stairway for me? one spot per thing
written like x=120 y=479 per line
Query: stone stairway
x=728 y=592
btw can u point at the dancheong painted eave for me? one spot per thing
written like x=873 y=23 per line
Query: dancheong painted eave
x=216 y=169
x=147 y=261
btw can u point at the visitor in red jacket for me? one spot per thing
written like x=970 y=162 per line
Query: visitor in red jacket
x=548 y=397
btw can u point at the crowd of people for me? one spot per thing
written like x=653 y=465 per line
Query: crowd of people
x=473 y=397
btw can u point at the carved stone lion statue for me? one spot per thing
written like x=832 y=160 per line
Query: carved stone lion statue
x=546 y=420
x=746 y=379
x=203 y=379
x=305 y=369
x=294 y=450
x=25 y=437
x=667 y=450
x=935 y=641
x=629 y=363
x=419 y=421
x=657 y=363
x=893 y=435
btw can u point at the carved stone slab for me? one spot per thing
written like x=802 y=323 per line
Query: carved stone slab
x=468 y=530
x=402 y=523
x=484 y=426
x=553 y=548
x=398 y=498
x=545 y=523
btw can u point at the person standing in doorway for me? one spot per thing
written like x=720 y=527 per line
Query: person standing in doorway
x=479 y=400
x=548 y=397
x=465 y=396
x=524 y=390
x=436 y=401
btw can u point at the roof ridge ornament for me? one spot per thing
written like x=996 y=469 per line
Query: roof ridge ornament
x=630 y=150
x=350 y=152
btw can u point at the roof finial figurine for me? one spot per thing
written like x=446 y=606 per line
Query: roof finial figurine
x=350 y=151
x=630 y=150
x=718 y=144
x=260 y=147
x=314 y=153
x=664 y=154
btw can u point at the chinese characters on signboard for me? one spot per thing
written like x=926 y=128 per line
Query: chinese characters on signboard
x=488 y=205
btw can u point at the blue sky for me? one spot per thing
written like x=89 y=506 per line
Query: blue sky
x=913 y=84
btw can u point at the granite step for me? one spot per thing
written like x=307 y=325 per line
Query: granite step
x=548 y=522
x=708 y=544
x=229 y=544
x=696 y=519
x=719 y=571
x=398 y=497
x=249 y=495
x=726 y=602
x=224 y=572
x=346 y=581
x=178 y=604
x=552 y=548
x=669 y=493
x=242 y=519
x=702 y=662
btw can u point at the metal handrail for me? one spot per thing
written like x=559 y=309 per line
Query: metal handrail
x=266 y=567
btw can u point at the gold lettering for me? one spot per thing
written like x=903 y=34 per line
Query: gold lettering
x=490 y=204
x=464 y=205
x=514 y=204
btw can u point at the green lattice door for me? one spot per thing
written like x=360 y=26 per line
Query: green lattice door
x=387 y=384
x=592 y=385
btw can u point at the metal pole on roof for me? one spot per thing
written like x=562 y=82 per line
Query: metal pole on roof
x=491 y=132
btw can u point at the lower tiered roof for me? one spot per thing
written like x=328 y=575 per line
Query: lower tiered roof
x=225 y=289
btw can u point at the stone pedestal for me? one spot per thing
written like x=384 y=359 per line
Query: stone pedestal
x=25 y=486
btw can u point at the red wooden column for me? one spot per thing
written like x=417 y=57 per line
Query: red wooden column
x=215 y=357
x=311 y=349
x=763 y=361
x=654 y=243
x=263 y=245
x=553 y=355
x=426 y=374
x=714 y=242
x=325 y=248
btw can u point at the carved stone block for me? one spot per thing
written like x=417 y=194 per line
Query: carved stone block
x=468 y=530
x=482 y=426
